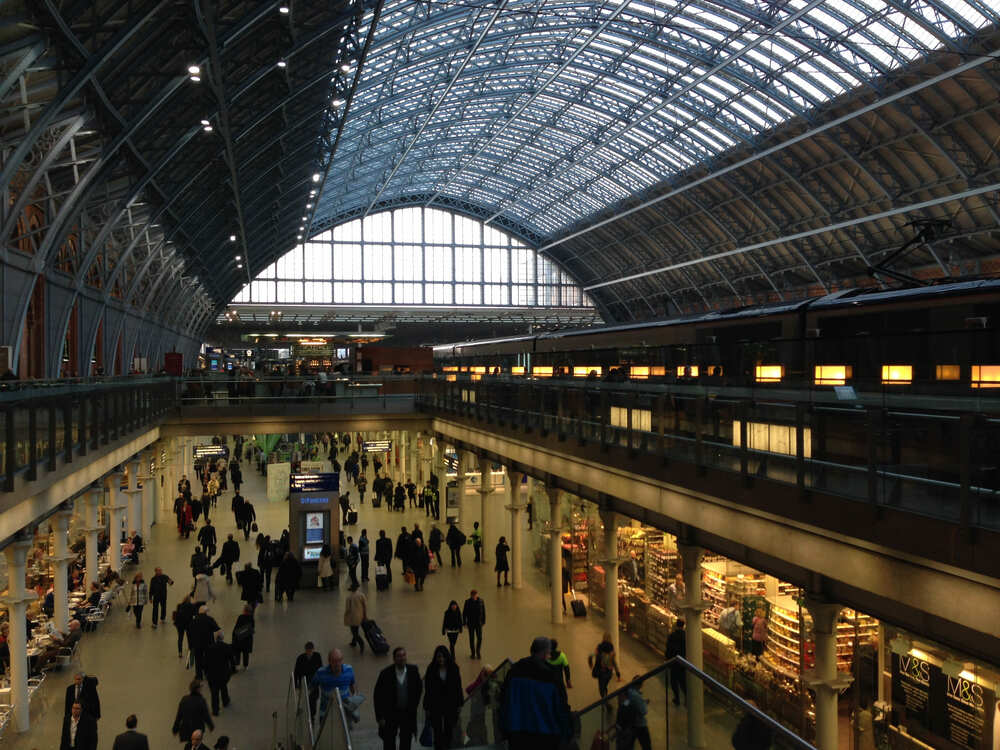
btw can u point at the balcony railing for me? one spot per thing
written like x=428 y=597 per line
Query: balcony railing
x=931 y=456
x=48 y=422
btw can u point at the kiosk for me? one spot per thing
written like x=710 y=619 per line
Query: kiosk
x=313 y=519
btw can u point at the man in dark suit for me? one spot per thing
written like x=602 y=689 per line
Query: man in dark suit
x=131 y=739
x=79 y=730
x=84 y=691
x=397 y=698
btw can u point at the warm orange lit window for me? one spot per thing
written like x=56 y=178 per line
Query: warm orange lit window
x=517 y=371
x=463 y=369
x=680 y=371
x=451 y=378
x=832 y=374
x=769 y=373
x=584 y=371
x=657 y=372
x=692 y=371
x=638 y=373
x=542 y=371
x=476 y=376
x=897 y=374
x=986 y=376
x=450 y=368
x=479 y=368
x=947 y=372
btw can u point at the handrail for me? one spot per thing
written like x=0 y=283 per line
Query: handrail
x=791 y=737
x=343 y=720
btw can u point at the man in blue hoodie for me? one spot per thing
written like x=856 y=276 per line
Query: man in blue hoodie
x=535 y=712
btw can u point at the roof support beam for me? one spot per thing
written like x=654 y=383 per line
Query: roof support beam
x=757 y=156
x=444 y=94
x=912 y=208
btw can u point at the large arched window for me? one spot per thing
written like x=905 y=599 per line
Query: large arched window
x=414 y=256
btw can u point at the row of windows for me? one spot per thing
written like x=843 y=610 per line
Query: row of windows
x=409 y=293
x=408 y=262
x=414 y=256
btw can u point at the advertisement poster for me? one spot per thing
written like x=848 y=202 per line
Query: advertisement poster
x=946 y=712
x=278 y=475
x=314 y=528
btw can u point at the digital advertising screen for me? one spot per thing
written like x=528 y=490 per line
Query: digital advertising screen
x=311 y=553
x=314 y=528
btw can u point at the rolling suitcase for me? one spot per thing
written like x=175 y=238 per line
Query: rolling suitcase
x=381 y=577
x=376 y=500
x=579 y=608
x=376 y=640
x=352 y=517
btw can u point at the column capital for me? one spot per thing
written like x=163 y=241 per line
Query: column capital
x=63 y=516
x=136 y=491
x=692 y=608
x=57 y=559
x=23 y=599
x=18 y=549
x=830 y=687
x=115 y=508
x=824 y=613
x=554 y=493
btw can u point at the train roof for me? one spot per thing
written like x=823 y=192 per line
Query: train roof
x=843 y=298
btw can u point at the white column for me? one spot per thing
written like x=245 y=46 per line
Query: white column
x=466 y=508
x=116 y=510
x=16 y=602
x=610 y=562
x=425 y=460
x=692 y=608
x=485 y=490
x=134 y=495
x=147 y=500
x=60 y=563
x=824 y=679
x=439 y=466
x=516 y=508
x=404 y=465
x=555 y=553
x=91 y=529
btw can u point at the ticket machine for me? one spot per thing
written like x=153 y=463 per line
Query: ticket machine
x=313 y=519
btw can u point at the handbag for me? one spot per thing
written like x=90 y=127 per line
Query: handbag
x=409 y=576
x=427 y=734
x=381 y=570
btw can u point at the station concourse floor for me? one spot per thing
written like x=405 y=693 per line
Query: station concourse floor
x=139 y=671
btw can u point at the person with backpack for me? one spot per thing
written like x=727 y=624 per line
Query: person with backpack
x=455 y=540
x=243 y=632
x=603 y=663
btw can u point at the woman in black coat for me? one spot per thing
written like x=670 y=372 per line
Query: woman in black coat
x=442 y=696
x=452 y=625
x=243 y=636
x=182 y=618
x=419 y=563
x=192 y=713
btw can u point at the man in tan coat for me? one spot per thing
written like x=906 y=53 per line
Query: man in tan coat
x=355 y=613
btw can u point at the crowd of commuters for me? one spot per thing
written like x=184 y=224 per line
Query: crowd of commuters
x=531 y=701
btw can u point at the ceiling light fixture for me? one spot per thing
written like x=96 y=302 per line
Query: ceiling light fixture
x=338 y=102
x=309 y=205
x=194 y=70
x=283 y=9
x=282 y=63
x=205 y=122
x=316 y=177
x=239 y=265
x=239 y=257
x=345 y=68
x=196 y=79
x=208 y=128
x=232 y=238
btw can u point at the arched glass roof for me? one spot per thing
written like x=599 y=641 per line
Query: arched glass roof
x=541 y=113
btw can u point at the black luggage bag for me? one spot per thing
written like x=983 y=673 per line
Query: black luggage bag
x=579 y=608
x=374 y=636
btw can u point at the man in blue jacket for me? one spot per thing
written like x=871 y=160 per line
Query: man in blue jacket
x=535 y=712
